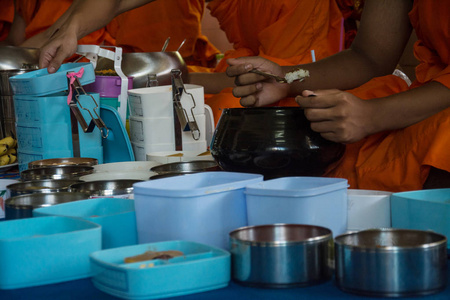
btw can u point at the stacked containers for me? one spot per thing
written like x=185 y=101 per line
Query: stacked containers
x=152 y=120
x=43 y=122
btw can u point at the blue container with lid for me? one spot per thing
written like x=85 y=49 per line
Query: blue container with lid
x=43 y=116
x=203 y=207
x=319 y=201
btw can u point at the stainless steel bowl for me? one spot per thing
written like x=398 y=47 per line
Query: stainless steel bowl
x=105 y=187
x=12 y=58
x=22 y=206
x=40 y=186
x=61 y=162
x=63 y=172
x=281 y=255
x=140 y=64
x=186 y=167
x=391 y=262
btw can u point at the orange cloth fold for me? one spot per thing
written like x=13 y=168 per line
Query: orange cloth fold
x=6 y=18
x=400 y=160
x=146 y=28
x=284 y=31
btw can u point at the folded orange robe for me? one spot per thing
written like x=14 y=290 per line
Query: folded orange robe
x=284 y=31
x=145 y=29
x=400 y=160
x=6 y=18
x=40 y=15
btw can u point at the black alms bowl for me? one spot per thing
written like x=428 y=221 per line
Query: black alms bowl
x=272 y=141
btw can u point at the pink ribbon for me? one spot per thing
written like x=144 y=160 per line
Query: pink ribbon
x=72 y=76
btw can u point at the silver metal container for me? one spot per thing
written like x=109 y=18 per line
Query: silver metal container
x=22 y=206
x=61 y=162
x=40 y=186
x=391 y=262
x=63 y=172
x=105 y=188
x=281 y=255
x=140 y=65
x=186 y=167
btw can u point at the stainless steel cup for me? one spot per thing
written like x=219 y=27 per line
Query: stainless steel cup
x=391 y=262
x=281 y=255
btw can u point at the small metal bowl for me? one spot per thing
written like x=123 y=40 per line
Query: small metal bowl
x=281 y=255
x=391 y=262
x=101 y=188
x=65 y=172
x=61 y=162
x=40 y=186
x=22 y=206
x=186 y=167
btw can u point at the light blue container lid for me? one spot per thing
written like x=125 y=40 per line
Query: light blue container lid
x=296 y=186
x=199 y=184
x=40 y=82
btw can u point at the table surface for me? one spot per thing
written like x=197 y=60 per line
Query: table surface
x=84 y=289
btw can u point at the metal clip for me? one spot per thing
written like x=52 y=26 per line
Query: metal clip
x=75 y=104
x=183 y=118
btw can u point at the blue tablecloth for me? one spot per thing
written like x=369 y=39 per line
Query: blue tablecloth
x=84 y=289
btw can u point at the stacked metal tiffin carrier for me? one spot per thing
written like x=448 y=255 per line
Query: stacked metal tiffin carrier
x=49 y=122
x=155 y=114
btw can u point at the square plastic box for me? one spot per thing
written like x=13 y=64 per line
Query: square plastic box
x=422 y=210
x=38 y=251
x=116 y=217
x=202 y=207
x=317 y=201
x=201 y=268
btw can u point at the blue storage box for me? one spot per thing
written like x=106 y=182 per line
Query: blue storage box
x=44 y=128
x=116 y=217
x=201 y=268
x=203 y=207
x=422 y=210
x=40 y=82
x=317 y=201
x=38 y=251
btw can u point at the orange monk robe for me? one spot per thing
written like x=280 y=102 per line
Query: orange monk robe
x=6 y=18
x=284 y=31
x=146 y=28
x=41 y=14
x=400 y=160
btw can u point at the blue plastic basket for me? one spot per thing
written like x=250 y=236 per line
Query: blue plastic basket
x=38 y=251
x=203 y=207
x=201 y=268
x=40 y=82
x=116 y=217
x=317 y=201
x=422 y=210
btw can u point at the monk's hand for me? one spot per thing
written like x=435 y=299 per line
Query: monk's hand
x=338 y=116
x=60 y=46
x=253 y=89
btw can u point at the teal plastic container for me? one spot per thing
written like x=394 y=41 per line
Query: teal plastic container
x=319 y=201
x=114 y=103
x=40 y=82
x=47 y=250
x=116 y=217
x=201 y=268
x=422 y=210
x=203 y=207
x=44 y=128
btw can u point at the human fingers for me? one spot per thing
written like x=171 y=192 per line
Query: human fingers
x=55 y=52
x=317 y=99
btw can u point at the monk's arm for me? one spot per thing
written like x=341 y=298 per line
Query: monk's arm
x=82 y=18
x=382 y=36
